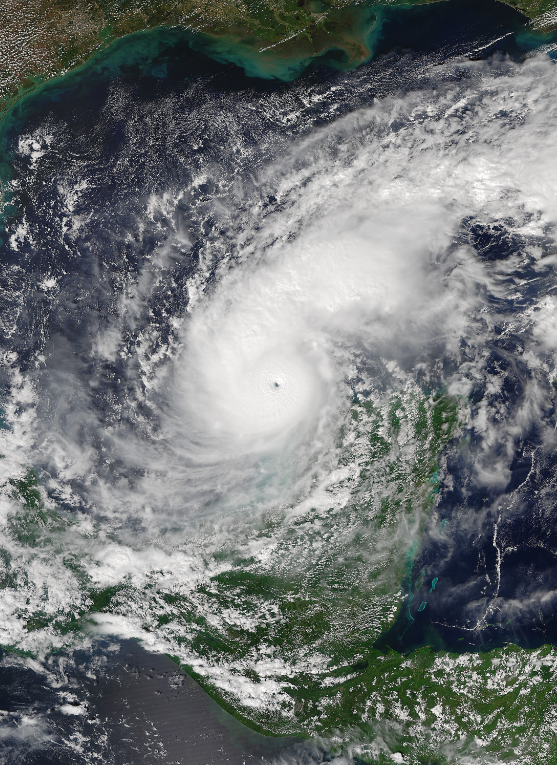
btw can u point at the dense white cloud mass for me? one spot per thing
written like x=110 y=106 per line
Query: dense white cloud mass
x=365 y=246
x=181 y=415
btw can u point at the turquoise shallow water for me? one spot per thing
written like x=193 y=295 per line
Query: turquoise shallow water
x=446 y=28
x=151 y=68
x=439 y=30
x=165 y=60
x=467 y=27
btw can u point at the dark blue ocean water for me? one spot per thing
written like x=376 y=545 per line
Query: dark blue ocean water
x=108 y=127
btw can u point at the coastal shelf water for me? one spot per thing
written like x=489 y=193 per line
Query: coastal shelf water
x=277 y=391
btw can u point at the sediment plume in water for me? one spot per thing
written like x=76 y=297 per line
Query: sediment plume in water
x=240 y=359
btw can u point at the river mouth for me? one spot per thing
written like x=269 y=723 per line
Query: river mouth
x=279 y=363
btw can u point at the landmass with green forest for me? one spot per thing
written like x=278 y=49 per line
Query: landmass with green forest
x=42 y=39
x=428 y=707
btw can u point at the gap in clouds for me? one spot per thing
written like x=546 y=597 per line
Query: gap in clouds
x=227 y=358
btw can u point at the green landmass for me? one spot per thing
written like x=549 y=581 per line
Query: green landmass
x=318 y=620
x=42 y=39
x=308 y=620
x=427 y=708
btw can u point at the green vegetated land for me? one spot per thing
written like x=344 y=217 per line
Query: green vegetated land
x=307 y=620
x=333 y=584
x=42 y=39
x=428 y=707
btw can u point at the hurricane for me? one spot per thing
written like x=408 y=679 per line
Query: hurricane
x=279 y=377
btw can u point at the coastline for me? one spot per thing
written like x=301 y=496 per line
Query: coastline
x=307 y=33
x=426 y=657
x=343 y=38
x=351 y=32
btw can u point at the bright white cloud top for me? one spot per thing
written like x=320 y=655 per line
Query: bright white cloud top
x=254 y=392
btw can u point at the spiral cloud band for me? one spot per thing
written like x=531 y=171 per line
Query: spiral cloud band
x=277 y=360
